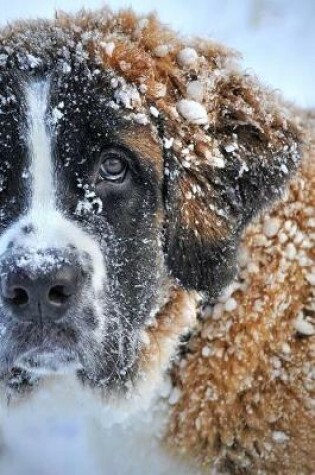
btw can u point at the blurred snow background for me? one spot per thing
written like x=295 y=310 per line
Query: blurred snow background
x=276 y=37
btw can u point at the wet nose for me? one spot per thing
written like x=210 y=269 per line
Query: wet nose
x=44 y=297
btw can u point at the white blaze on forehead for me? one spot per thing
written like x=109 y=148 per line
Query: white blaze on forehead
x=51 y=229
x=39 y=144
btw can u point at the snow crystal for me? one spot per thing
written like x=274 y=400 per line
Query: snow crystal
x=192 y=111
x=282 y=238
x=271 y=227
x=311 y=223
x=128 y=96
x=114 y=82
x=286 y=348
x=290 y=251
x=260 y=240
x=3 y=59
x=90 y=203
x=253 y=268
x=206 y=352
x=143 y=23
x=143 y=88
x=217 y=162
x=141 y=119
x=113 y=105
x=290 y=227
x=56 y=114
x=154 y=111
x=195 y=91
x=66 y=68
x=218 y=310
x=161 y=51
x=243 y=168
x=230 y=304
x=187 y=57
x=211 y=395
x=279 y=436
x=303 y=326
x=33 y=61
x=228 y=291
x=81 y=53
x=168 y=143
x=230 y=148
x=108 y=47
x=284 y=169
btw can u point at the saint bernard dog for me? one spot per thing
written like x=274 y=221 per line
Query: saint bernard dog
x=157 y=241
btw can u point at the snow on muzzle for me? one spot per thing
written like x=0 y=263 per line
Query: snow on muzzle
x=40 y=286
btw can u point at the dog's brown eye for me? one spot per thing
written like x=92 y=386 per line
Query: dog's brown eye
x=114 y=166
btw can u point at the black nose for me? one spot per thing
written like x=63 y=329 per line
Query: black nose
x=43 y=296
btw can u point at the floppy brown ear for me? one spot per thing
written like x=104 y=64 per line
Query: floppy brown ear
x=238 y=166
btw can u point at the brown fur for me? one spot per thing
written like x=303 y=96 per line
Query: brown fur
x=176 y=317
x=140 y=140
x=256 y=379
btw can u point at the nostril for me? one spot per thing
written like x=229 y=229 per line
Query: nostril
x=19 y=296
x=58 y=295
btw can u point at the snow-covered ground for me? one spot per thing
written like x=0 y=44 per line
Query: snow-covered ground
x=51 y=435
x=276 y=37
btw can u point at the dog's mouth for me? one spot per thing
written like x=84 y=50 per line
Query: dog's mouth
x=41 y=350
x=45 y=361
x=100 y=357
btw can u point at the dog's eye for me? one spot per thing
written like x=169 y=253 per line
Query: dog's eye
x=114 y=166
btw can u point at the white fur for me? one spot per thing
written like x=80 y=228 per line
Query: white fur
x=39 y=146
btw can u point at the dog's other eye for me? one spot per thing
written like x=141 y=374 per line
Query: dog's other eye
x=114 y=166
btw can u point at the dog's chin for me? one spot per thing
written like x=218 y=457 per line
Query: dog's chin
x=48 y=361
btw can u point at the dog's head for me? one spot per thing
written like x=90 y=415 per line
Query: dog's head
x=129 y=165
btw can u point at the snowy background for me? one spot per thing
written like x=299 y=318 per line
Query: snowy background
x=277 y=40
x=276 y=37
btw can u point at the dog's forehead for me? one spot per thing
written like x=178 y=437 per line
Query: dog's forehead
x=83 y=104
x=99 y=104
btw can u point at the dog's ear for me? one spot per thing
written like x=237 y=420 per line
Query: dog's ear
x=229 y=171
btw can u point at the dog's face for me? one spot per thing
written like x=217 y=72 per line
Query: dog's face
x=100 y=216
x=82 y=265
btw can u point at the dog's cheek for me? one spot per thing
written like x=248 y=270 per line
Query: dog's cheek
x=201 y=237
x=206 y=267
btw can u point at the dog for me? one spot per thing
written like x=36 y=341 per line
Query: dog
x=157 y=221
